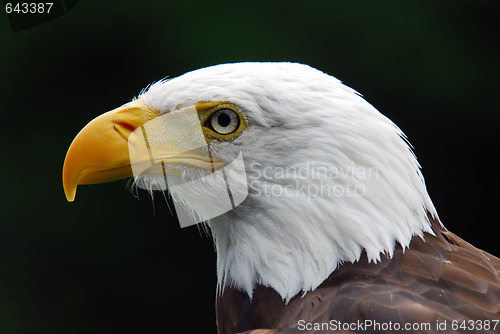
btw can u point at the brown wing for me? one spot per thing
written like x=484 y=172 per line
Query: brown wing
x=439 y=285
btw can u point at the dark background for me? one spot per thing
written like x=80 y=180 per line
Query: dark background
x=109 y=263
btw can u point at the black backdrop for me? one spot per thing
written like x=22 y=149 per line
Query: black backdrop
x=110 y=263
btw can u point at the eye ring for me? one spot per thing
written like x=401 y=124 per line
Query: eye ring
x=224 y=121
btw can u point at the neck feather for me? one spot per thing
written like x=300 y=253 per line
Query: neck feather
x=293 y=231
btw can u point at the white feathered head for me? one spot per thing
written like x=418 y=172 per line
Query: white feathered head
x=326 y=176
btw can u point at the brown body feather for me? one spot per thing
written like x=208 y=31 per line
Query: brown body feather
x=440 y=279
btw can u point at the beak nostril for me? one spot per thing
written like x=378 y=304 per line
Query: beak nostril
x=124 y=129
x=133 y=115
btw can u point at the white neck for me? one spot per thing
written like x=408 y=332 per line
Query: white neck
x=292 y=232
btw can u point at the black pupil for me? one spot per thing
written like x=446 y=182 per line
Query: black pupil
x=223 y=119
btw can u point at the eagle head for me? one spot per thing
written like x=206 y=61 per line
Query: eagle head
x=322 y=176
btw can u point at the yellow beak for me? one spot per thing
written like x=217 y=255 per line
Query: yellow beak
x=100 y=152
x=104 y=148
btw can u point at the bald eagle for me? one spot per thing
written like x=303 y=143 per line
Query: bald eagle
x=330 y=227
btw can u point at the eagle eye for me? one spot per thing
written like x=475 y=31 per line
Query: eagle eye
x=224 y=121
x=221 y=121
